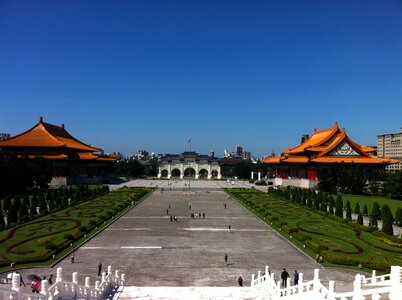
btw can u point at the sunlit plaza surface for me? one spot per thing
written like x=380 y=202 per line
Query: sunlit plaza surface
x=154 y=251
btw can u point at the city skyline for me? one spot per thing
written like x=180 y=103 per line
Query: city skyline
x=152 y=74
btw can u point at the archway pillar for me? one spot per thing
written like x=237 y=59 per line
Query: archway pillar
x=181 y=171
x=169 y=168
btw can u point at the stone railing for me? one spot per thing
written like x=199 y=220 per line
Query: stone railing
x=65 y=289
x=374 y=288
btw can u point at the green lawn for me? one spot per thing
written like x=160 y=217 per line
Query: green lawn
x=38 y=240
x=369 y=200
x=312 y=231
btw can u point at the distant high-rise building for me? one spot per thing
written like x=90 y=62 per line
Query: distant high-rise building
x=4 y=136
x=239 y=151
x=212 y=153
x=390 y=145
x=247 y=155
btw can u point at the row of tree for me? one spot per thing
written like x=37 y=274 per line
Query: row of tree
x=326 y=203
x=19 y=174
x=351 y=179
x=24 y=208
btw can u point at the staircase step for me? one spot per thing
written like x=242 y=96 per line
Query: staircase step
x=186 y=293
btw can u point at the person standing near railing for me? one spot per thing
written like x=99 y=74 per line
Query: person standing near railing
x=284 y=277
x=296 y=277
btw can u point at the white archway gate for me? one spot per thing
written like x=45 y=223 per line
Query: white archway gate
x=203 y=166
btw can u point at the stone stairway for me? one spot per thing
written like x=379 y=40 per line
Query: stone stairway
x=188 y=293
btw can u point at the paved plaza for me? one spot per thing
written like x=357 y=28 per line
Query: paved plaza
x=154 y=251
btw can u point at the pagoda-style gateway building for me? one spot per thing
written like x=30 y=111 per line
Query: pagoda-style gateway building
x=301 y=165
x=73 y=161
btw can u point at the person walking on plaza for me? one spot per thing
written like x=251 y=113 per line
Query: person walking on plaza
x=296 y=277
x=230 y=227
x=284 y=277
x=72 y=258
x=240 y=280
x=100 y=269
x=226 y=259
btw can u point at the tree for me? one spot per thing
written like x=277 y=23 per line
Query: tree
x=1 y=217
x=375 y=215
x=398 y=217
x=318 y=201
x=34 y=205
x=365 y=210
x=331 y=205
x=357 y=208
x=23 y=210
x=42 y=204
x=17 y=203
x=12 y=215
x=348 y=211
x=339 y=206
x=6 y=204
x=359 y=218
x=393 y=184
x=17 y=175
x=387 y=220
x=375 y=178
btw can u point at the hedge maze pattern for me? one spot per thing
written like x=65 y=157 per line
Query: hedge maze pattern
x=340 y=243
x=38 y=240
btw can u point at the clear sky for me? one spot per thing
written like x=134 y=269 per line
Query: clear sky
x=131 y=75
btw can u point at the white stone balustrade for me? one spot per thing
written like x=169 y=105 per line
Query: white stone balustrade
x=389 y=285
x=64 y=288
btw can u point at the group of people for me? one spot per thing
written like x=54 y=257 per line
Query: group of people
x=285 y=275
x=197 y=215
x=36 y=283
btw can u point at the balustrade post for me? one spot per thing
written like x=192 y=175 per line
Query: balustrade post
x=331 y=289
x=300 y=278
x=87 y=281
x=373 y=276
x=117 y=275
x=59 y=275
x=396 y=283
x=123 y=278
x=375 y=297
x=357 y=288
x=316 y=281
x=44 y=287
x=288 y=282
x=15 y=282
x=252 y=279
x=259 y=276
x=75 y=277
x=103 y=277
x=109 y=270
x=267 y=270
x=97 y=283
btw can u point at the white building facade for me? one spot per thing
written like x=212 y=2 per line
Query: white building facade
x=189 y=164
x=390 y=145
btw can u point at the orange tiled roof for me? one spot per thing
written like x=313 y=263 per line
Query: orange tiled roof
x=58 y=156
x=369 y=149
x=45 y=135
x=318 y=138
x=356 y=160
x=329 y=146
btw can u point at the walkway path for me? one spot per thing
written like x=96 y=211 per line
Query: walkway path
x=153 y=251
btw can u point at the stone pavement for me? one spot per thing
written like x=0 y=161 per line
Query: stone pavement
x=153 y=251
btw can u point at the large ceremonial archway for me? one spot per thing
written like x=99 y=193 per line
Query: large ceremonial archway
x=189 y=165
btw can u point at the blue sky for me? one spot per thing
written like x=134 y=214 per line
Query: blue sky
x=130 y=75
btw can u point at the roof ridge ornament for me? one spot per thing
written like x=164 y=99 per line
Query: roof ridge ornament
x=40 y=119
